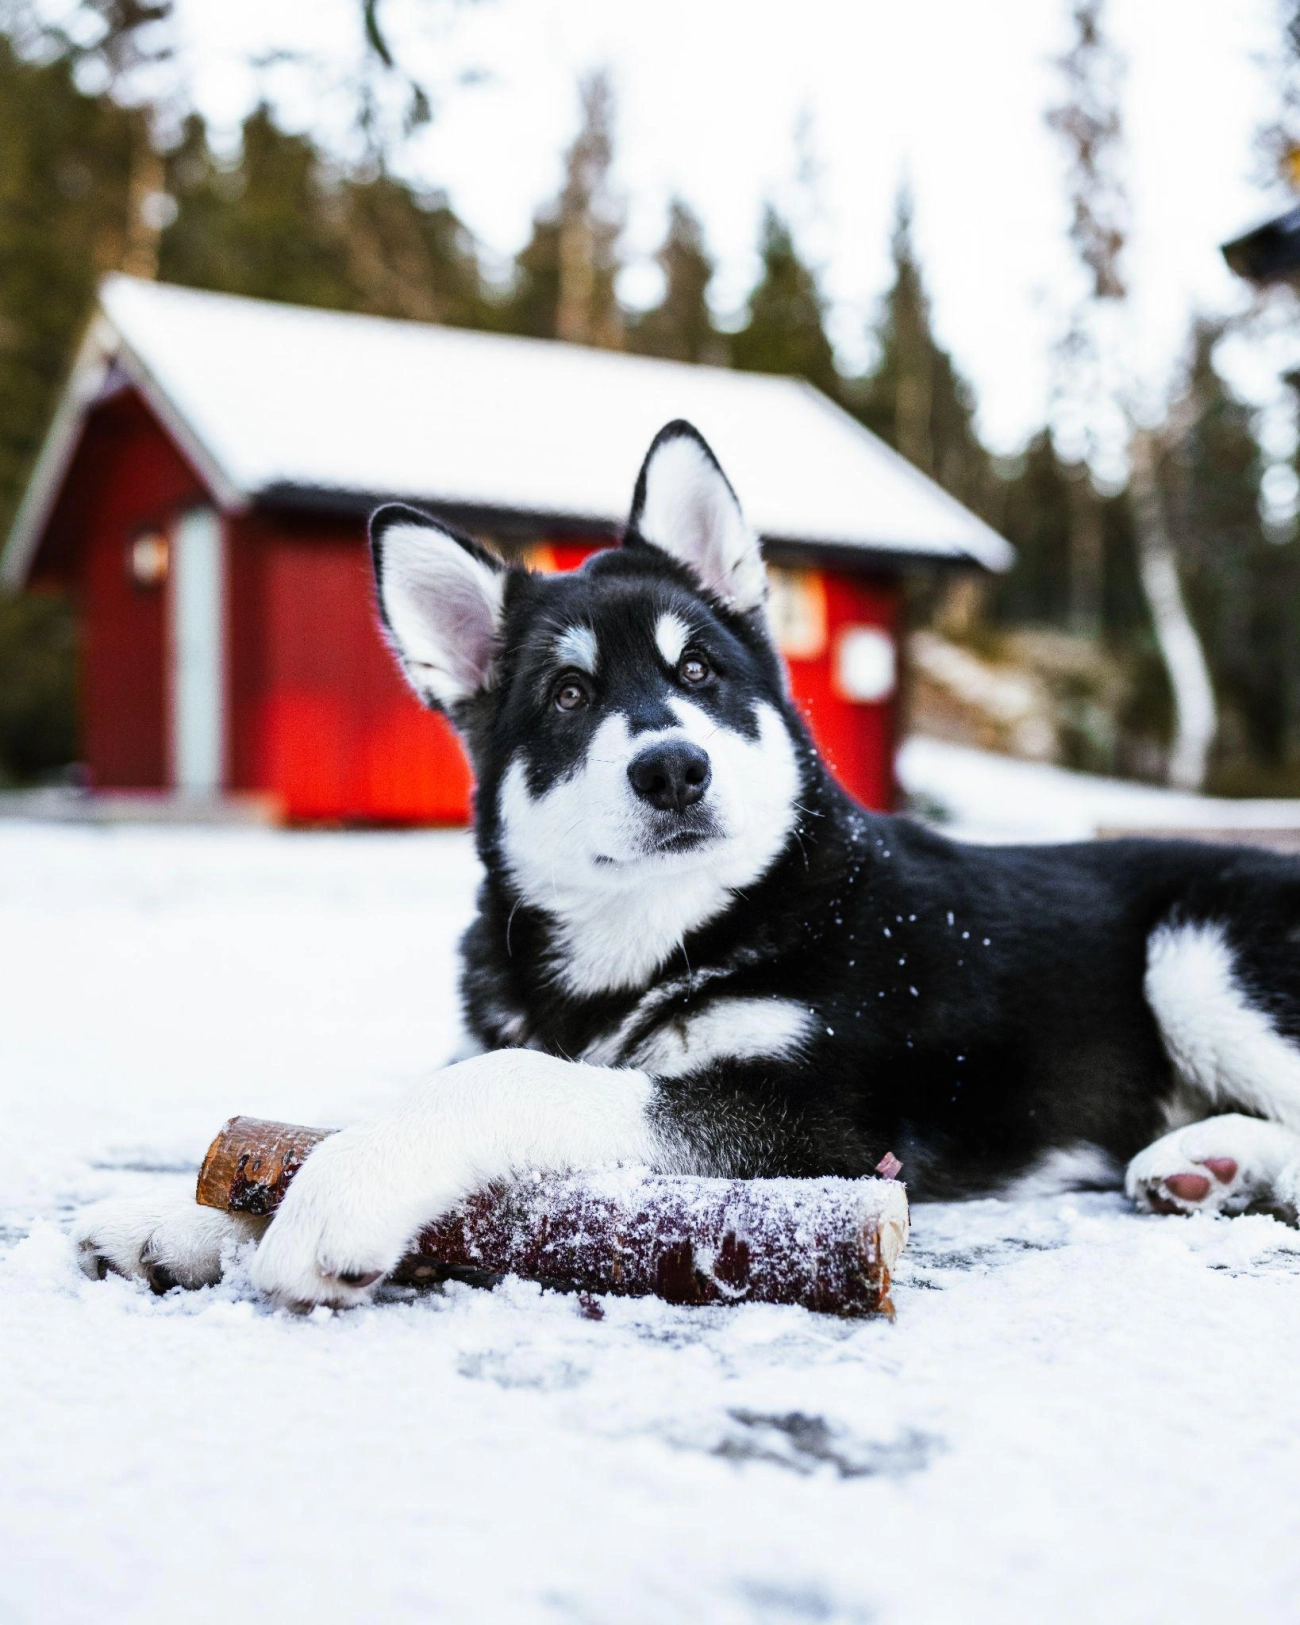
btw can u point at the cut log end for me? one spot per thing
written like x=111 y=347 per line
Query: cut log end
x=250 y=1164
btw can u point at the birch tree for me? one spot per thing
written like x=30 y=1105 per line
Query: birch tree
x=1090 y=124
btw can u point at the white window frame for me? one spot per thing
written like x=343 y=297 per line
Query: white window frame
x=196 y=602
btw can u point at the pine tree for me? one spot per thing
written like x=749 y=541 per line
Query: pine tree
x=915 y=398
x=565 y=273
x=259 y=228
x=65 y=190
x=1035 y=519
x=680 y=326
x=282 y=223
x=409 y=255
x=64 y=200
x=785 y=331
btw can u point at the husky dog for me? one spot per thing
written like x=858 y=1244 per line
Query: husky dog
x=694 y=951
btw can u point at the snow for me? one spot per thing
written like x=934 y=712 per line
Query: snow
x=266 y=396
x=1079 y=1414
x=983 y=796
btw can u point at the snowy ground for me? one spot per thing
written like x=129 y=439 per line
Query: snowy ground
x=1079 y=1414
x=983 y=797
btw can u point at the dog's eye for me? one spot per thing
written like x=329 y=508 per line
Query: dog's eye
x=570 y=696
x=694 y=669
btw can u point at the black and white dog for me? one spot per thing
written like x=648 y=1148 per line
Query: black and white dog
x=693 y=951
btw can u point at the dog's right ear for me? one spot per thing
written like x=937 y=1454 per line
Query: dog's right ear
x=441 y=598
x=684 y=506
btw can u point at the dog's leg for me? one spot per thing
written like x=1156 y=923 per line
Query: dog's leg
x=168 y=1242
x=1224 y=1043
x=1221 y=1165
x=363 y=1194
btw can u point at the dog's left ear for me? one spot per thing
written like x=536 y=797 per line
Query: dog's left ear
x=684 y=506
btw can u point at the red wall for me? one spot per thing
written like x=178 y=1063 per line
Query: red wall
x=320 y=717
x=127 y=476
x=857 y=740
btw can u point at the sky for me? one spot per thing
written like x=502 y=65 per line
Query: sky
x=826 y=108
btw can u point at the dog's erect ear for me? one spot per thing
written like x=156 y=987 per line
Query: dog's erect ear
x=441 y=598
x=684 y=505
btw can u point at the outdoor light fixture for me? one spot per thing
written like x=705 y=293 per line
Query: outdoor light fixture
x=866 y=666
x=148 y=558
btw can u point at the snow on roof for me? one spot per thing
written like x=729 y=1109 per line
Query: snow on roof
x=278 y=399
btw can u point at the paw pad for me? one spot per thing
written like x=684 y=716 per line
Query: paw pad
x=1224 y=1169
x=1187 y=1187
x=1181 y=1192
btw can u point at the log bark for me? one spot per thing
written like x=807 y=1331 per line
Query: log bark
x=827 y=1244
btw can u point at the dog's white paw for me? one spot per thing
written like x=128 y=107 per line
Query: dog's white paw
x=1222 y=1165
x=362 y=1196
x=346 y=1220
x=166 y=1241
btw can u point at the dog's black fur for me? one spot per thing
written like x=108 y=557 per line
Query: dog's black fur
x=972 y=1007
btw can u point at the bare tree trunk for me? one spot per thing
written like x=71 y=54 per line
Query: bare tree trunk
x=1195 y=712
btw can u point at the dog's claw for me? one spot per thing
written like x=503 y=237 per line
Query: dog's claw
x=160 y=1278
x=92 y=1262
x=360 y=1278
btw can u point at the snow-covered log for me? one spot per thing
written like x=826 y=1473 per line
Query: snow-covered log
x=828 y=1244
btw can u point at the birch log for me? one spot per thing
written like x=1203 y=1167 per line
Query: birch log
x=827 y=1244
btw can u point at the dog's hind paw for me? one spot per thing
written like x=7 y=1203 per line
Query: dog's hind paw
x=166 y=1241
x=1224 y=1164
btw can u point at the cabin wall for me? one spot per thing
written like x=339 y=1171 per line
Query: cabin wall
x=127 y=477
x=321 y=720
x=857 y=736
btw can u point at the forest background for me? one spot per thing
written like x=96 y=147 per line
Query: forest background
x=1113 y=566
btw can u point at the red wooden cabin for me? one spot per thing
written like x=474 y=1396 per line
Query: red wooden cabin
x=203 y=493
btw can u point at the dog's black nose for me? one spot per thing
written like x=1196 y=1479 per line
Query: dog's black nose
x=671 y=777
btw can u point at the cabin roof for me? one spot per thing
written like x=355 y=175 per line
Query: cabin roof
x=279 y=404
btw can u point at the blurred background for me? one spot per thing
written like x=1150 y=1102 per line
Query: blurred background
x=996 y=242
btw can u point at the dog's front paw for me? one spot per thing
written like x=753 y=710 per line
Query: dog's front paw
x=344 y=1224
x=362 y=1196
x=165 y=1241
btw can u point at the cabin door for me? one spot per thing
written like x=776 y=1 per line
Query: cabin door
x=197 y=644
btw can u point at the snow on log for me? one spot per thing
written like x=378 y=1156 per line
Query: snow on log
x=827 y=1244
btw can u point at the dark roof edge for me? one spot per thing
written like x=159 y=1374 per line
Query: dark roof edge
x=1267 y=253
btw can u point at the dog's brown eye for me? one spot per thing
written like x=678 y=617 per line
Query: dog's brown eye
x=570 y=696
x=693 y=669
